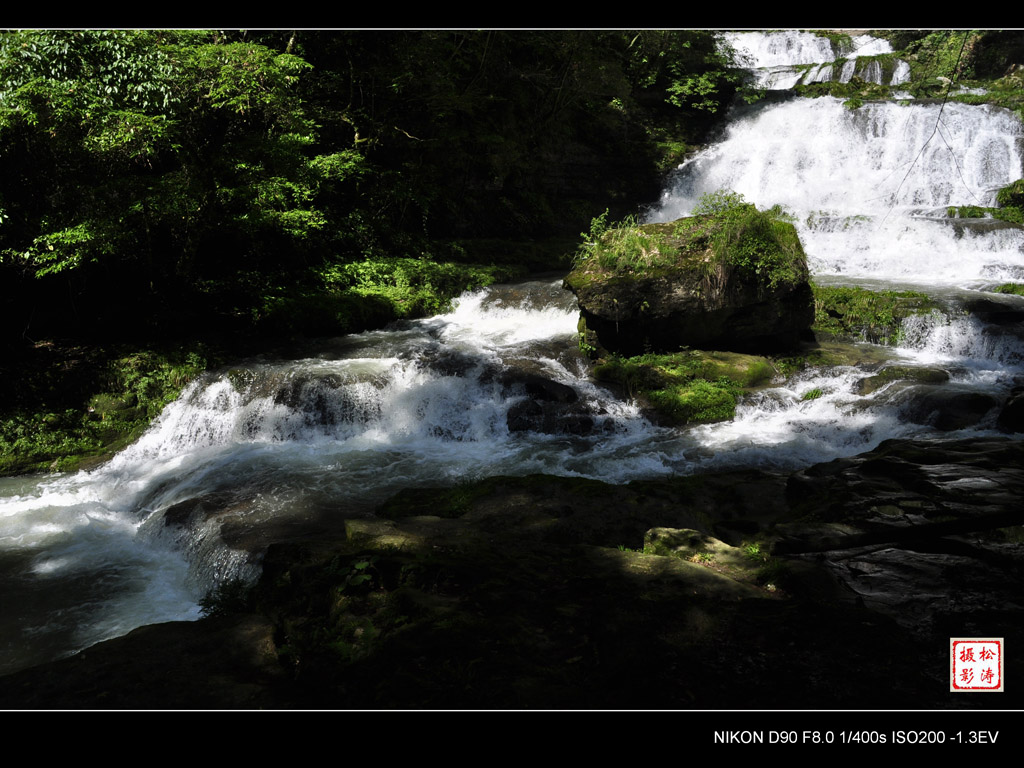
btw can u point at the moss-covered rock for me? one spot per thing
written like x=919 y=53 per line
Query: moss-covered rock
x=71 y=406
x=1011 y=288
x=687 y=387
x=733 y=278
x=857 y=314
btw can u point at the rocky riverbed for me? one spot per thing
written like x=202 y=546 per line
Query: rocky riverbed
x=835 y=587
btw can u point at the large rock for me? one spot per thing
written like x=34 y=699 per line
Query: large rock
x=688 y=287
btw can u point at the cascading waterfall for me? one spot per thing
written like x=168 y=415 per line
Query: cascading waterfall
x=497 y=386
x=782 y=60
x=869 y=187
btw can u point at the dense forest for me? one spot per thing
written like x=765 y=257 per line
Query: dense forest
x=178 y=179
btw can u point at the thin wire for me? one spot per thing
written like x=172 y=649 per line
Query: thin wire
x=938 y=119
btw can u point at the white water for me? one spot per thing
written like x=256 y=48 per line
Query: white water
x=869 y=187
x=782 y=60
x=88 y=556
x=334 y=434
x=789 y=47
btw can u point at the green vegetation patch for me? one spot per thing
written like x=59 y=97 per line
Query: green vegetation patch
x=1011 y=199
x=1013 y=288
x=725 y=233
x=857 y=90
x=688 y=387
x=369 y=293
x=1012 y=214
x=859 y=314
x=96 y=402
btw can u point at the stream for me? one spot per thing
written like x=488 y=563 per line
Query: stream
x=498 y=387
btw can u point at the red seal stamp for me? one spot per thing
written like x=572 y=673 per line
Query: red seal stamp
x=975 y=664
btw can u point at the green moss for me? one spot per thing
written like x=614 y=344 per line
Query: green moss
x=1012 y=288
x=842 y=43
x=1012 y=194
x=696 y=402
x=725 y=232
x=688 y=387
x=1011 y=214
x=1011 y=201
x=60 y=421
x=857 y=313
x=672 y=153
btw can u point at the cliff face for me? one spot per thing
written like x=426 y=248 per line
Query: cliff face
x=736 y=281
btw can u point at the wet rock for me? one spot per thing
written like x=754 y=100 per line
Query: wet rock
x=219 y=663
x=1011 y=417
x=453 y=363
x=889 y=374
x=995 y=312
x=926 y=531
x=948 y=409
x=695 y=297
x=538 y=387
x=549 y=418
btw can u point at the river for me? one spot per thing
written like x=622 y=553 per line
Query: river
x=272 y=442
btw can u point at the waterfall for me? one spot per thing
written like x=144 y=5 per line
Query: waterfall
x=782 y=60
x=869 y=187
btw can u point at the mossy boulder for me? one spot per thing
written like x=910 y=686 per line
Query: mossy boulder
x=734 y=280
x=854 y=314
x=694 y=386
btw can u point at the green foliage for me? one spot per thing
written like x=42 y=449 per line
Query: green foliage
x=692 y=68
x=361 y=576
x=688 y=387
x=625 y=247
x=166 y=158
x=143 y=171
x=763 y=243
x=53 y=422
x=938 y=59
x=722 y=202
x=811 y=394
x=857 y=313
x=1011 y=201
x=1014 y=215
x=354 y=296
x=967 y=212
x=1012 y=288
x=415 y=287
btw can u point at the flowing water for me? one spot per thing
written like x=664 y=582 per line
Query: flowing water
x=497 y=386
